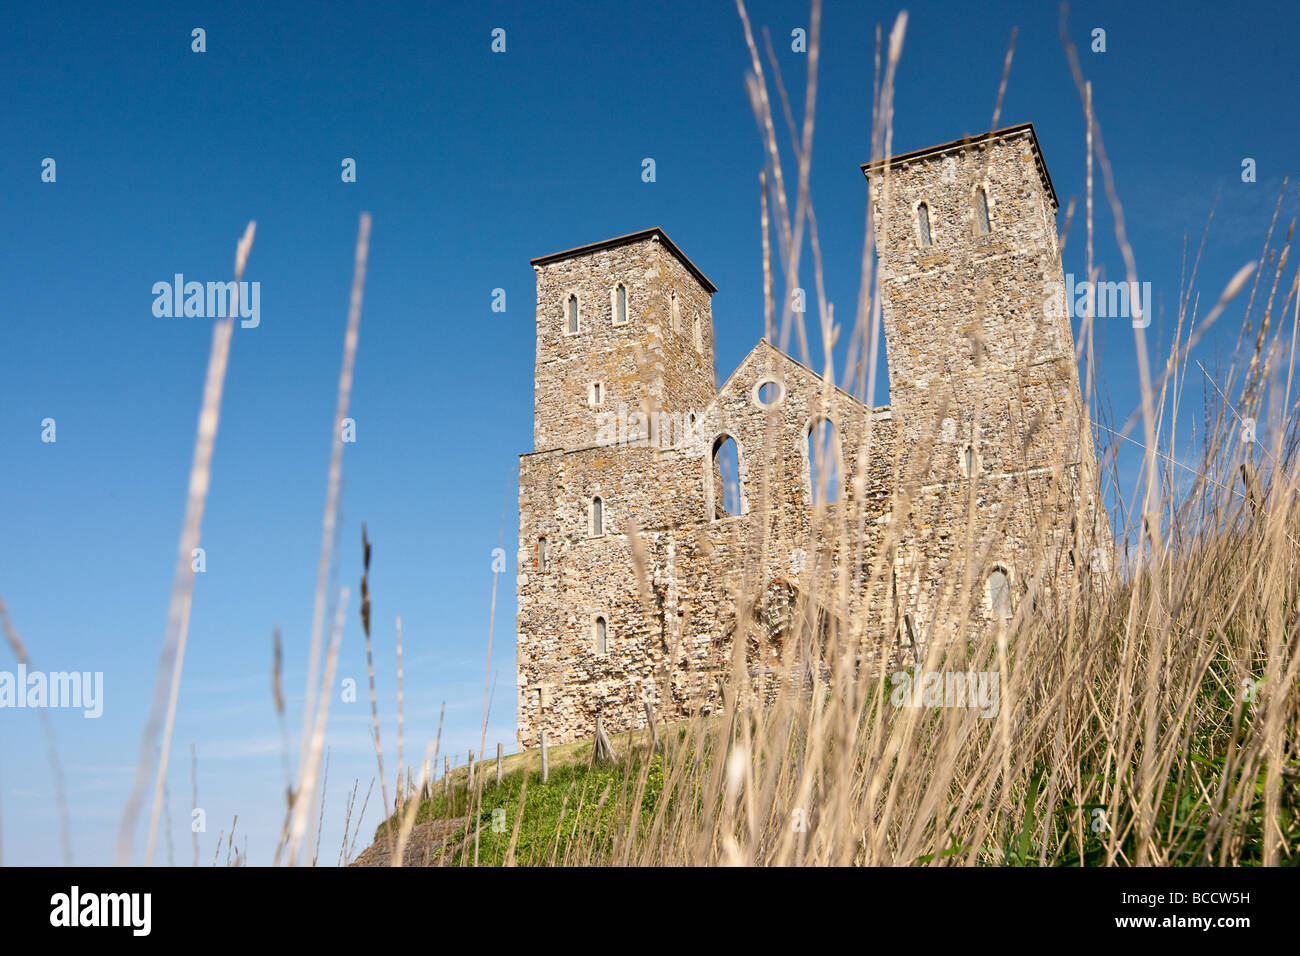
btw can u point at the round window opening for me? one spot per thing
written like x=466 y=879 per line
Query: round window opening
x=768 y=393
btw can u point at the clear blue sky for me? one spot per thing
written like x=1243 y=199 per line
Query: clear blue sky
x=470 y=162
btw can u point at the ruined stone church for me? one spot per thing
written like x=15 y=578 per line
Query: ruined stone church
x=663 y=519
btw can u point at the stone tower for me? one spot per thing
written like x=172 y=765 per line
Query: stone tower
x=624 y=343
x=983 y=380
x=625 y=323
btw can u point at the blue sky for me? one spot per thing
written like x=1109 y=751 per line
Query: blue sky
x=470 y=163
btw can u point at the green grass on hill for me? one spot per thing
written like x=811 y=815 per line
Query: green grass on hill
x=576 y=799
x=584 y=812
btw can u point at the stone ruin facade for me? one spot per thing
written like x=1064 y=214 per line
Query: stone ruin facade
x=646 y=551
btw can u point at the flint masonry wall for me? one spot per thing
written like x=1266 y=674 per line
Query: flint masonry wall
x=650 y=363
x=674 y=647
x=982 y=373
x=902 y=557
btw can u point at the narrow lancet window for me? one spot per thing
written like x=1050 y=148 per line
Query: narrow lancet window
x=982 y=209
x=620 y=305
x=1000 y=594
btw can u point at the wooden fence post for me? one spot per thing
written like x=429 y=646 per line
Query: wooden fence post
x=601 y=751
x=650 y=722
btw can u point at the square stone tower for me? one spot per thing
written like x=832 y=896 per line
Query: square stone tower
x=983 y=379
x=624 y=326
x=966 y=236
x=624 y=343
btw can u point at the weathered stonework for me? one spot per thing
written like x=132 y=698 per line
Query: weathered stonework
x=983 y=462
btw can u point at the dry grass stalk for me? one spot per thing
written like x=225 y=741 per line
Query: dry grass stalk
x=172 y=662
x=370 y=669
x=51 y=740
x=332 y=495
x=303 y=796
x=400 y=732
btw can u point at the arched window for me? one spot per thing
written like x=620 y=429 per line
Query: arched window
x=541 y=553
x=1000 y=594
x=923 y=224
x=823 y=456
x=982 y=211
x=597 y=394
x=699 y=334
x=597 y=516
x=600 y=635
x=725 y=474
x=620 y=304
x=676 y=311
x=572 y=307
x=970 y=461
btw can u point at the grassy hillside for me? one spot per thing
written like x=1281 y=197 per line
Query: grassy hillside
x=487 y=824
x=1209 y=807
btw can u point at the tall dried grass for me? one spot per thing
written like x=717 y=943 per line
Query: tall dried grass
x=1131 y=729
x=1149 y=717
x=172 y=662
